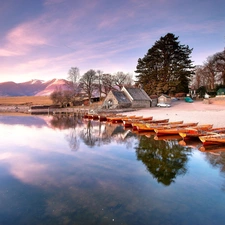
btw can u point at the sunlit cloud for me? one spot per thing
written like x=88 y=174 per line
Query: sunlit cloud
x=6 y=53
x=25 y=35
x=92 y=35
x=21 y=39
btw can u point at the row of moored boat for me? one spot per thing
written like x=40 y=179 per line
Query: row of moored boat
x=205 y=132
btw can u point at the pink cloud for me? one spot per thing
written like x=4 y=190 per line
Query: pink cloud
x=24 y=35
x=6 y=53
x=21 y=39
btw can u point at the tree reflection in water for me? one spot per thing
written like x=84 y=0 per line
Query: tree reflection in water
x=97 y=133
x=91 y=132
x=165 y=160
x=67 y=121
x=216 y=157
x=87 y=135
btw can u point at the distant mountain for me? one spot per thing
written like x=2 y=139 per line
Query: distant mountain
x=32 y=88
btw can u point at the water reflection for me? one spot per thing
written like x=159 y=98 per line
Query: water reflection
x=74 y=171
x=62 y=121
x=92 y=133
x=164 y=160
x=24 y=120
x=99 y=133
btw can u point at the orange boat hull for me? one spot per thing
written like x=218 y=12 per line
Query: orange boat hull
x=174 y=130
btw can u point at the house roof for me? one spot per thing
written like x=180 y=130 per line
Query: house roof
x=166 y=96
x=137 y=93
x=120 y=96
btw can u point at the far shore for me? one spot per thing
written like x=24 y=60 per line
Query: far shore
x=188 y=112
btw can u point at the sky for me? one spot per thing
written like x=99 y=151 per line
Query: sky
x=43 y=39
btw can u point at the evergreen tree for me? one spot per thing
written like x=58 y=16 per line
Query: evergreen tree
x=166 y=68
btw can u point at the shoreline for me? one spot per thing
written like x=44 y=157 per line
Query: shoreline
x=197 y=111
x=188 y=112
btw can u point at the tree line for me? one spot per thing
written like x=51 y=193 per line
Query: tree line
x=210 y=76
x=93 y=83
x=166 y=68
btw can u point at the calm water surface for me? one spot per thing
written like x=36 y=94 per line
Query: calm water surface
x=70 y=171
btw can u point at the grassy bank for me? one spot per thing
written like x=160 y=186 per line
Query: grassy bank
x=26 y=100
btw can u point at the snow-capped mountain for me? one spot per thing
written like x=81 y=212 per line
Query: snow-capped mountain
x=32 y=88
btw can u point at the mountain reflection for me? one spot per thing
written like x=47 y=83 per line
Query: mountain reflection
x=164 y=160
x=23 y=119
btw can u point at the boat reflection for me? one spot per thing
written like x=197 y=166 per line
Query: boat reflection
x=192 y=143
x=165 y=157
x=212 y=148
x=96 y=179
x=167 y=137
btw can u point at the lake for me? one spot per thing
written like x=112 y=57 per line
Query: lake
x=67 y=170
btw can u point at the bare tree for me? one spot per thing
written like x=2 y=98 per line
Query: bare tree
x=199 y=78
x=107 y=83
x=74 y=74
x=57 y=97
x=219 y=59
x=63 y=98
x=73 y=78
x=88 y=83
x=210 y=73
x=121 y=79
x=100 y=86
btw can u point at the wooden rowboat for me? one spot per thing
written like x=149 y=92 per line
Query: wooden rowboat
x=218 y=130
x=212 y=148
x=129 y=122
x=103 y=117
x=160 y=121
x=95 y=117
x=152 y=126
x=182 y=125
x=139 y=126
x=85 y=116
x=120 y=120
x=135 y=125
x=171 y=130
x=213 y=139
x=91 y=116
x=201 y=130
x=142 y=127
x=129 y=118
x=116 y=117
x=171 y=123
